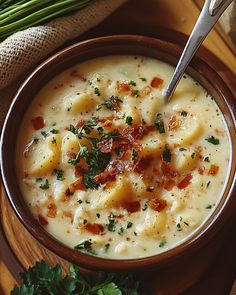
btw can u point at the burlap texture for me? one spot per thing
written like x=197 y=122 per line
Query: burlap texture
x=24 y=49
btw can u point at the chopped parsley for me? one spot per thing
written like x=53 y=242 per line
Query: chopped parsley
x=184 y=113
x=129 y=120
x=45 y=186
x=162 y=243
x=159 y=124
x=134 y=155
x=136 y=92
x=131 y=82
x=166 y=155
x=129 y=224
x=208 y=206
x=98 y=215
x=179 y=227
x=106 y=247
x=206 y=159
x=59 y=174
x=54 y=131
x=38 y=179
x=143 y=79
x=97 y=91
x=80 y=201
x=44 y=134
x=213 y=140
x=86 y=246
x=182 y=149
x=121 y=231
x=193 y=155
x=111 y=226
x=145 y=206
x=54 y=141
x=111 y=103
x=208 y=184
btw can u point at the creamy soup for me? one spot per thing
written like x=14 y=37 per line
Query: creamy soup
x=109 y=169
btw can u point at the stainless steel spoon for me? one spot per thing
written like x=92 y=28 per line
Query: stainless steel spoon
x=211 y=12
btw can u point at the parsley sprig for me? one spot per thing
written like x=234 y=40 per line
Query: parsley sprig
x=43 y=279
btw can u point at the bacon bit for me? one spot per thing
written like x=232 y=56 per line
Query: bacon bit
x=69 y=214
x=68 y=192
x=201 y=170
x=157 y=204
x=198 y=149
x=150 y=189
x=80 y=123
x=79 y=171
x=157 y=82
x=173 y=123
x=131 y=207
x=122 y=87
x=185 y=181
x=75 y=74
x=213 y=170
x=136 y=132
x=168 y=170
x=71 y=155
x=109 y=118
x=128 y=239
x=107 y=124
x=104 y=177
x=219 y=132
x=146 y=90
x=52 y=210
x=26 y=174
x=143 y=164
x=169 y=185
x=94 y=228
x=38 y=123
x=78 y=185
x=42 y=220
x=105 y=146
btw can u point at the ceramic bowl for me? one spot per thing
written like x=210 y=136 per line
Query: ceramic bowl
x=103 y=46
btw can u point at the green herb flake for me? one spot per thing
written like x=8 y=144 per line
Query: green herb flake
x=162 y=243
x=54 y=141
x=136 y=92
x=208 y=184
x=182 y=149
x=193 y=155
x=129 y=120
x=80 y=201
x=143 y=79
x=131 y=82
x=38 y=179
x=97 y=91
x=159 y=123
x=54 y=131
x=179 y=227
x=44 y=134
x=59 y=174
x=112 y=103
x=166 y=155
x=111 y=226
x=145 y=206
x=206 y=159
x=106 y=247
x=134 y=155
x=184 y=113
x=86 y=246
x=121 y=231
x=213 y=140
x=129 y=224
x=45 y=186
x=98 y=215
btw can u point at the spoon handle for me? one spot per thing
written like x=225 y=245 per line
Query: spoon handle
x=211 y=12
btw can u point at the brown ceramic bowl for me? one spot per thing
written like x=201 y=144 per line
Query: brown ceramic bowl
x=122 y=44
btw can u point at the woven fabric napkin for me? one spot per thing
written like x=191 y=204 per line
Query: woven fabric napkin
x=228 y=21
x=24 y=49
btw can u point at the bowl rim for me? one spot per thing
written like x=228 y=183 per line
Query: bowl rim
x=188 y=247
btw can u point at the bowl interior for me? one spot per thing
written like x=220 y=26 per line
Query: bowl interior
x=135 y=45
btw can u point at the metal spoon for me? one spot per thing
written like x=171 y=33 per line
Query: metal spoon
x=211 y=12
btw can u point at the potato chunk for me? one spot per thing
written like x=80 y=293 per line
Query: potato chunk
x=150 y=107
x=80 y=103
x=152 y=145
x=185 y=160
x=187 y=132
x=120 y=191
x=129 y=108
x=44 y=156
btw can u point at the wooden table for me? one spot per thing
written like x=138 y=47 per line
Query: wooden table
x=177 y=15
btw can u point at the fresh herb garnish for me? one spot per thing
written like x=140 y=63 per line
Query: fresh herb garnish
x=213 y=140
x=131 y=82
x=179 y=227
x=129 y=120
x=145 y=206
x=162 y=243
x=106 y=247
x=208 y=206
x=38 y=179
x=182 y=149
x=193 y=155
x=111 y=103
x=54 y=131
x=59 y=174
x=45 y=186
x=184 y=113
x=111 y=226
x=44 y=134
x=47 y=280
x=121 y=231
x=97 y=91
x=206 y=159
x=143 y=79
x=85 y=129
x=166 y=155
x=159 y=124
x=208 y=184
x=136 y=92
x=129 y=224
x=98 y=215
x=86 y=246
x=134 y=155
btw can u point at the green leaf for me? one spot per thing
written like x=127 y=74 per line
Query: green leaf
x=109 y=289
x=213 y=140
x=166 y=155
x=159 y=124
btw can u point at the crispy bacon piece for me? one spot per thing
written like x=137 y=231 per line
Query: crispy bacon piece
x=150 y=189
x=213 y=170
x=143 y=164
x=109 y=118
x=136 y=132
x=157 y=204
x=169 y=185
x=173 y=123
x=168 y=170
x=131 y=207
x=94 y=228
x=68 y=192
x=122 y=87
x=80 y=123
x=201 y=170
x=71 y=155
x=185 y=181
x=52 y=210
x=105 y=146
x=104 y=177
x=79 y=171
x=76 y=74
x=69 y=214
x=42 y=220
x=78 y=185
x=157 y=82
x=38 y=122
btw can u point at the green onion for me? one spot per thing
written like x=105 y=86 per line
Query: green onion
x=19 y=15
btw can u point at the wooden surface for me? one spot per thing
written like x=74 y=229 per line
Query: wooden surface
x=142 y=15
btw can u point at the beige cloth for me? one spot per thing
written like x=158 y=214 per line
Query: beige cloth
x=24 y=49
x=228 y=21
